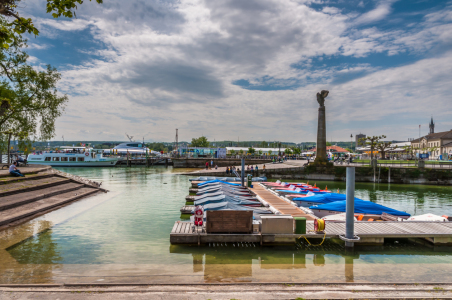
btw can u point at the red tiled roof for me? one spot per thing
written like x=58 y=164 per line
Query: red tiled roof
x=437 y=135
x=333 y=148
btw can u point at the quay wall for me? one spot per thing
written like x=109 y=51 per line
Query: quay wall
x=221 y=162
x=363 y=174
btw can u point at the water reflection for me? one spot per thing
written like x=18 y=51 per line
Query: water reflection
x=123 y=236
x=32 y=260
x=227 y=264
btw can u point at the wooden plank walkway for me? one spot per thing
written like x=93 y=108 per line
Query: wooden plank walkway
x=369 y=232
x=278 y=203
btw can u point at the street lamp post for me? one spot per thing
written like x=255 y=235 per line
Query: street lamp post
x=351 y=141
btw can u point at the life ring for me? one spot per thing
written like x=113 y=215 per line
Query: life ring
x=86 y=154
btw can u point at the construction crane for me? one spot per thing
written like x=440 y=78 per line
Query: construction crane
x=130 y=137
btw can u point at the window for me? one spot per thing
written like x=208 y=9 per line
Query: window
x=71 y=158
x=64 y=159
x=47 y=159
x=56 y=159
x=80 y=159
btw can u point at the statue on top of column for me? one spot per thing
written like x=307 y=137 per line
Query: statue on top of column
x=321 y=97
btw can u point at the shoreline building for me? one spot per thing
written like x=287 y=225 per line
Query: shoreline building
x=437 y=145
x=357 y=142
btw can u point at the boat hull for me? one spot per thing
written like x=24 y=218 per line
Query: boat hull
x=75 y=164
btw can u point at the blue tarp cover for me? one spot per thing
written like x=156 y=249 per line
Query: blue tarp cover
x=323 y=198
x=361 y=207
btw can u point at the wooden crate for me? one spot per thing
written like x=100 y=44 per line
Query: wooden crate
x=229 y=221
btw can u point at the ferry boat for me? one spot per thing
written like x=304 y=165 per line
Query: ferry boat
x=73 y=157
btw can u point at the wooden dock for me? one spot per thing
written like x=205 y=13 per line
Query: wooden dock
x=368 y=232
x=281 y=205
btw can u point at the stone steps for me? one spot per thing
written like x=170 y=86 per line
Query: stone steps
x=19 y=187
x=9 y=179
x=10 y=215
x=14 y=200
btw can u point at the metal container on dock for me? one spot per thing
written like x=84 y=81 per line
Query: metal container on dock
x=277 y=224
x=300 y=225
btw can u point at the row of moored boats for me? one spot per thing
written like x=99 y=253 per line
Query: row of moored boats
x=217 y=194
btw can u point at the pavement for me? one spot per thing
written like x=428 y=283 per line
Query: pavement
x=269 y=166
x=259 y=291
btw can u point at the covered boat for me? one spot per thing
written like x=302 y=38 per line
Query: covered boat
x=428 y=218
x=319 y=199
x=361 y=207
x=225 y=198
x=231 y=206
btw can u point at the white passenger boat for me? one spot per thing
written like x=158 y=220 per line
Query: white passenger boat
x=132 y=148
x=73 y=157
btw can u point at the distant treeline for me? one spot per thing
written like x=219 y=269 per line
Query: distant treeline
x=165 y=146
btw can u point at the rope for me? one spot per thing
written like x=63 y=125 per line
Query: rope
x=324 y=235
x=320 y=227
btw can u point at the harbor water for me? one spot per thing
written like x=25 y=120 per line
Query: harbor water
x=123 y=237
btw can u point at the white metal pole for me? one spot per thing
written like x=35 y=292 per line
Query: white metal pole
x=350 y=206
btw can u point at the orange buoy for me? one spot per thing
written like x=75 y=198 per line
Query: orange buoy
x=360 y=217
x=326 y=188
x=370 y=220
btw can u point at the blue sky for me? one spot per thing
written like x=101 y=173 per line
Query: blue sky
x=249 y=69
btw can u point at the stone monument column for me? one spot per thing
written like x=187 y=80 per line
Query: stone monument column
x=321 y=155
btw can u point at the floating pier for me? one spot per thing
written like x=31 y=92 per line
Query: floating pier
x=368 y=232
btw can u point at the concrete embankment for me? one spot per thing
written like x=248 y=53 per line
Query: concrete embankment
x=220 y=162
x=241 y=290
x=42 y=190
x=296 y=170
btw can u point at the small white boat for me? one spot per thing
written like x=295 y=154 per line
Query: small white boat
x=335 y=218
x=73 y=157
x=428 y=218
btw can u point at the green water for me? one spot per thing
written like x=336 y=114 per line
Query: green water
x=123 y=236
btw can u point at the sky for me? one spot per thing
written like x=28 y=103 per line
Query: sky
x=248 y=70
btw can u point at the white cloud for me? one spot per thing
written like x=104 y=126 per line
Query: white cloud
x=38 y=46
x=382 y=10
x=72 y=25
x=171 y=65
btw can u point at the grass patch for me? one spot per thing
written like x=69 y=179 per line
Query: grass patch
x=189 y=203
x=192 y=194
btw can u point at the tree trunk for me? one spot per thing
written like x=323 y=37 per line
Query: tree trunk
x=371 y=153
x=9 y=147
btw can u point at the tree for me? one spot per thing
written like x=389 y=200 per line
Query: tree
x=372 y=142
x=241 y=152
x=382 y=147
x=409 y=149
x=33 y=102
x=260 y=152
x=251 y=150
x=288 y=151
x=296 y=150
x=13 y=30
x=329 y=144
x=200 y=142
x=432 y=150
